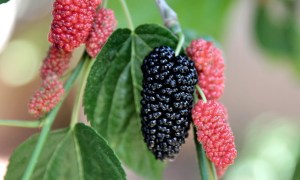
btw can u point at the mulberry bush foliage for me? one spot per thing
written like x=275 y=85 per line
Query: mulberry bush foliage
x=138 y=93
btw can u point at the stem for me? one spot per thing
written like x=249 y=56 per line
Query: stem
x=104 y=3
x=77 y=105
x=169 y=16
x=180 y=43
x=21 y=123
x=127 y=14
x=201 y=94
x=49 y=119
x=207 y=169
x=170 y=19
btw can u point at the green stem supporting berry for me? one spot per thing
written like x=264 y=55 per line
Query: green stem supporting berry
x=207 y=169
x=48 y=121
x=170 y=19
x=84 y=75
x=180 y=43
x=201 y=94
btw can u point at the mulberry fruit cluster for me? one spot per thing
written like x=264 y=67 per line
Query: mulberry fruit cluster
x=46 y=98
x=213 y=131
x=210 y=67
x=72 y=22
x=103 y=26
x=56 y=62
x=209 y=116
x=167 y=100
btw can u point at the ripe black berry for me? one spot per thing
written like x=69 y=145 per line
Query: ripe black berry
x=167 y=99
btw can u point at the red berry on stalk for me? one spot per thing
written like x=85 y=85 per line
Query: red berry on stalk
x=103 y=26
x=210 y=67
x=214 y=133
x=47 y=97
x=56 y=62
x=72 y=22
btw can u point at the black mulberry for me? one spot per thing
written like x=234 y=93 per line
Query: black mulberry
x=167 y=100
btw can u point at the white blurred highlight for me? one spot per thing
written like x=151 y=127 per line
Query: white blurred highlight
x=3 y=165
x=7 y=21
x=19 y=63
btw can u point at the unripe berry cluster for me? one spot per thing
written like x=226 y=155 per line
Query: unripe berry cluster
x=103 y=26
x=74 y=22
x=46 y=97
x=209 y=116
x=56 y=62
x=213 y=131
x=210 y=67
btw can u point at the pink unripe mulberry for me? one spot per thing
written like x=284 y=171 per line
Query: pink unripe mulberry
x=72 y=22
x=47 y=97
x=214 y=133
x=103 y=26
x=210 y=67
x=56 y=62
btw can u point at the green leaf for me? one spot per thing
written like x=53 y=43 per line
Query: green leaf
x=3 y=1
x=78 y=153
x=112 y=95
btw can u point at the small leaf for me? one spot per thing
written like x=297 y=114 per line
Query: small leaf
x=69 y=154
x=3 y=1
x=112 y=95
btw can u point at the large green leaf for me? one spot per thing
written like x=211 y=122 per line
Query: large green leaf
x=112 y=95
x=79 y=153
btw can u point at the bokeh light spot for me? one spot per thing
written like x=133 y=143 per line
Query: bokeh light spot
x=19 y=63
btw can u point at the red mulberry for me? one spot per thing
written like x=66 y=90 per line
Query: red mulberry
x=214 y=133
x=46 y=98
x=56 y=62
x=103 y=26
x=210 y=67
x=72 y=22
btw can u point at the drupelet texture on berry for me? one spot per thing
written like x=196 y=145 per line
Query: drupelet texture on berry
x=167 y=100
x=47 y=97
x=214 y=133
x=210 y=67
x=72 y=22
x=103 y=26
x=56 y=62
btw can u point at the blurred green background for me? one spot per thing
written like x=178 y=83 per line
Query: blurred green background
x=260 y=40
